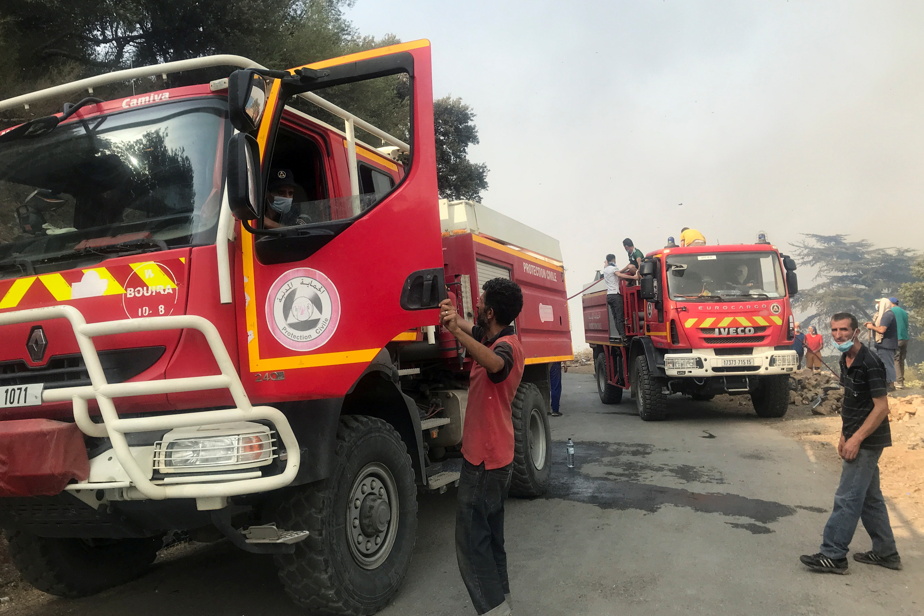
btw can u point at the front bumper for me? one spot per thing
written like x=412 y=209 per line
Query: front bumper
x=703 y=363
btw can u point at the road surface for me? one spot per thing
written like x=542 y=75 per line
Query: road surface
x=705 y=513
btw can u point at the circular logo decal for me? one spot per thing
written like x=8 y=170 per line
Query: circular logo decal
x=649 y=309
x=303 y=309
x=775 y=308
x=150 y=291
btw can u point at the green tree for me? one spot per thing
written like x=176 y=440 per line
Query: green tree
x=457 y=176
x=911 y=295
x=850 y=276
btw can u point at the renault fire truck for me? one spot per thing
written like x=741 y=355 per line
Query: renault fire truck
x=170 y=362
x=701 y=321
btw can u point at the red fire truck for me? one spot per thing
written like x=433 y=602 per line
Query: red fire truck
x=170 y=362
x=702 y=320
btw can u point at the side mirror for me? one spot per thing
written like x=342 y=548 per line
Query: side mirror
x=243 y=175
x=647 y=268
x=789 y=263
x=791 y=282
x=246 y=100
x=650 y=289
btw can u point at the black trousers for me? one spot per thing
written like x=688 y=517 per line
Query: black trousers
x=480 y=534
x=614 y=301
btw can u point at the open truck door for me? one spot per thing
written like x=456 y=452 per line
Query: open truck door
x=365 y=244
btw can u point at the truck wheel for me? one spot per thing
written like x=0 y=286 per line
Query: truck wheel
x=609 y=394
x=771 y=398
x=71 y=568
x=362 y=520
x=532 y=443
x=649 y=397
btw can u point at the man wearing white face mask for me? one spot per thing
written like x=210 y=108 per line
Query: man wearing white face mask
x=280 y=195
x=865 y=433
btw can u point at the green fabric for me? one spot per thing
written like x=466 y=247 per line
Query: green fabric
x=901 y=322
x=637 y=254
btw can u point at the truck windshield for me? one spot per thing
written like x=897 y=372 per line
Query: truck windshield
x=139 y=180
x=724 y=276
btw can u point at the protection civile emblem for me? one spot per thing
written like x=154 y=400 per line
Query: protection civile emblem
x=303 y=309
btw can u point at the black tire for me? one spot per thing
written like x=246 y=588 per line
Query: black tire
x=609 y=394
x=532 y=452
x=72 y=568
x=649 y=397
x=362 y=520
x=771 y=398
x=702 y=397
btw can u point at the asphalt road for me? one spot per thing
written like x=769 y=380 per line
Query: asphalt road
x=705 y=513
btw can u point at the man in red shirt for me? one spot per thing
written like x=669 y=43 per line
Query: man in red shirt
x=487 y=441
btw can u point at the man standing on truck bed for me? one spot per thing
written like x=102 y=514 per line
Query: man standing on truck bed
x=865 y=433
x=487 y=441
x=611 y=276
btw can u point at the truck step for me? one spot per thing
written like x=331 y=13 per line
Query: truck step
x=440 y=481
x=268 y=533
x=436 y=422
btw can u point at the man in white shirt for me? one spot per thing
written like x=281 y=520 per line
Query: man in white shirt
x=611 y=276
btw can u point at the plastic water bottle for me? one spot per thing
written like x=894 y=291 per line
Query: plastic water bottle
x=570 y=450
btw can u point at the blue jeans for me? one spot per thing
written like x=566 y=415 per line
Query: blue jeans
x=480 y=534
x=858 y=498
x=888 y=360
x=555 y=384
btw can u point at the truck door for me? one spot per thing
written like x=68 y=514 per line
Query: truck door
x=361 y=261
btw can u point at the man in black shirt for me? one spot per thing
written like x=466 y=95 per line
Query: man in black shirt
x=865 y=432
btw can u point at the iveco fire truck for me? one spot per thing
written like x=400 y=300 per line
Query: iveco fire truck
x=170 y=362
x=701 y=321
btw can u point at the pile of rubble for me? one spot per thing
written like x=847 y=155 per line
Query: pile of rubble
x=820 y=391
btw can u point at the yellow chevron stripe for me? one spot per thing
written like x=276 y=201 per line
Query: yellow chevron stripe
x=112 y=287
x=777 y=320
x=743 y=321
x=725 y=321
x=152 y=275
x=689 y=323
x=548 y=360
x=57 y=286
x=760 y=321
x=707 y=322
x=404 y=336
x=17 y=290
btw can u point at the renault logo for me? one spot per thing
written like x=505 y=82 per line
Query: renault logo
x=37 y=344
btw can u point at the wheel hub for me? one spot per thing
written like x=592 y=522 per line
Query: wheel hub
x=374 y=515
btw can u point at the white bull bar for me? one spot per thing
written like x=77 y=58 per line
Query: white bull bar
x=114 y=427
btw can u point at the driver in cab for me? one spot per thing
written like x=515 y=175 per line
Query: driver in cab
x=280 y=195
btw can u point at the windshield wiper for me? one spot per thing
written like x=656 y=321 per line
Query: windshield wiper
x=130 y=242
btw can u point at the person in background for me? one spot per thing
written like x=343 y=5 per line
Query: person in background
x=901 y=330
x=612 y=275
x=635 y=255
x=691 y=237
x=798 y=345
x=886 y=338
x=813 y=345
x=555 y=388
x=864 y=435
x=487 y=441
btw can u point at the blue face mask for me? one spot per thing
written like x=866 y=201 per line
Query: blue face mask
x=843 y=347
x=282 y=204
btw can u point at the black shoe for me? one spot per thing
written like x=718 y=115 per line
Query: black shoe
x=871 y=558
x=820 y=562
x=555 y=414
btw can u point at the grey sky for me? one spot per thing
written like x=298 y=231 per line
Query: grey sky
x=599 y=119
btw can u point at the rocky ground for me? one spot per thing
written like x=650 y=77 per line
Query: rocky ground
x=812 y=419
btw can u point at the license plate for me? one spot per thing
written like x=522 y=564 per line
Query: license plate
x=737 y=362
x=21 y=395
